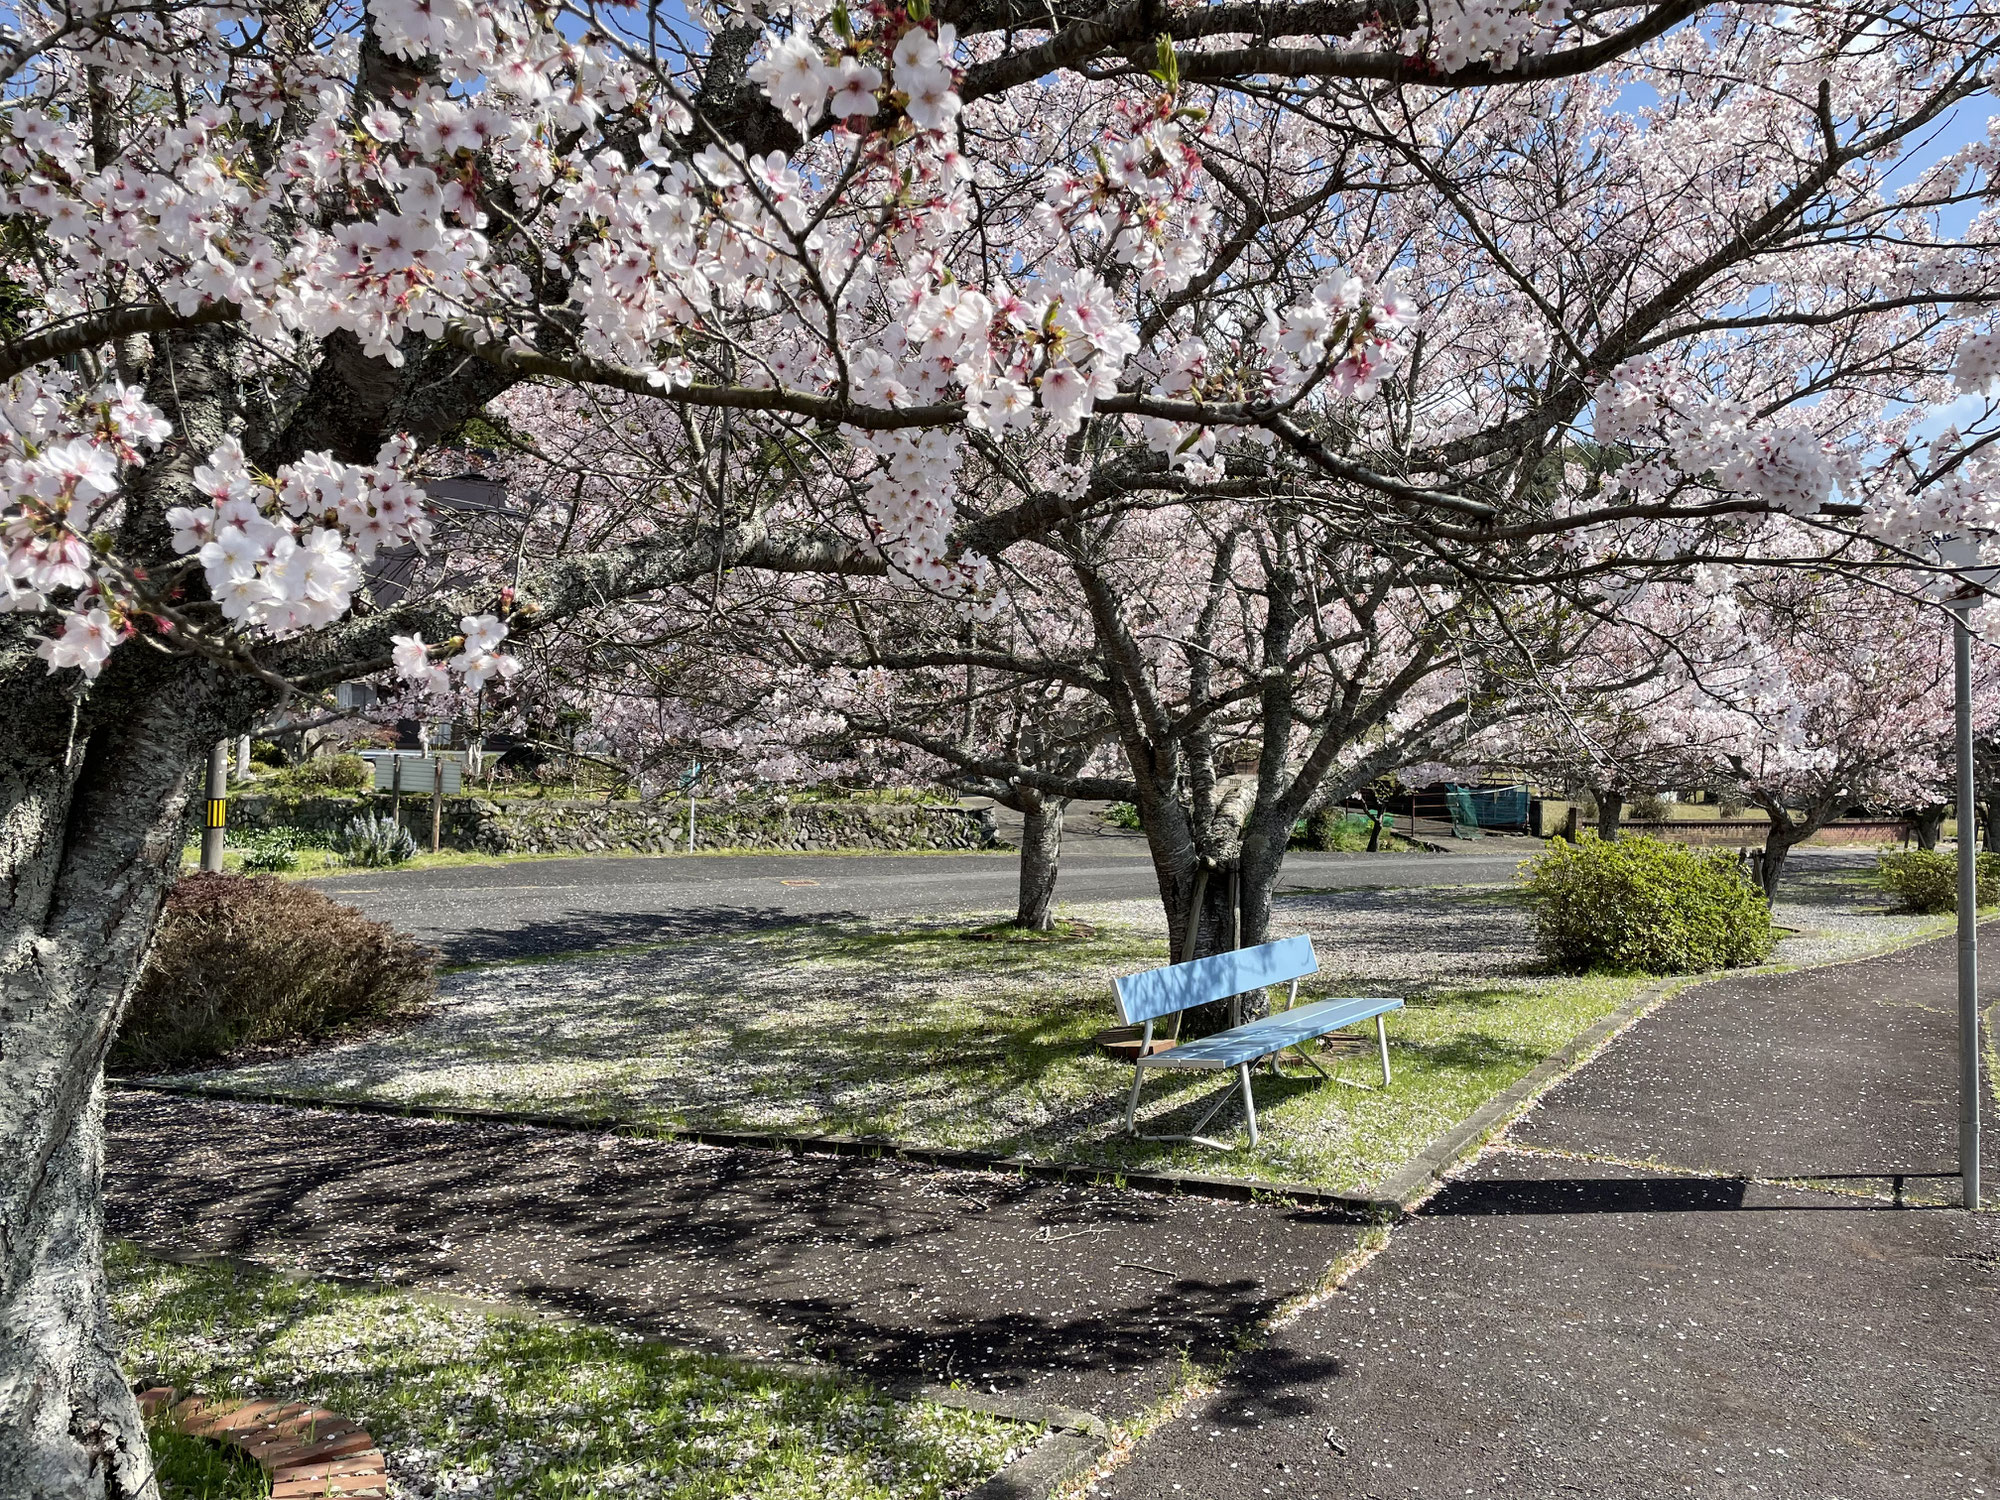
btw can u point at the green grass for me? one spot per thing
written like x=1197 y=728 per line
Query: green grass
x=957 y=1036
x=461 y=1397
x=191 y=1468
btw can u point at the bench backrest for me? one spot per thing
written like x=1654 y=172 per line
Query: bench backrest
x=1161 y=992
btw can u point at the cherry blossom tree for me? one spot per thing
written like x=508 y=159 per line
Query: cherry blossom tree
x=882 y=295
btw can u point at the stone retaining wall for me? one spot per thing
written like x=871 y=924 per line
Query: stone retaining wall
x=546 y=827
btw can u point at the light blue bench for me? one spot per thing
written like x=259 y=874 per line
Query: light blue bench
x=1178 y=987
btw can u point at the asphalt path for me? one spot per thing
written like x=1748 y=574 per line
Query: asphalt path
x=476 y=913
x=1620 y=1302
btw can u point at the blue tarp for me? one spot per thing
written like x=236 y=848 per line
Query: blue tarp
x=1496 y=806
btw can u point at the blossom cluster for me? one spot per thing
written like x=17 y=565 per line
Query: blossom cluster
x=804 y=82
x=477 y=662
x=1792 y=467
x=285 y=554
x=280 y=554
x=1496 y=31
x=1139 y=194
x=1348 y=325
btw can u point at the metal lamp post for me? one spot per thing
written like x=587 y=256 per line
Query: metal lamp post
x=1968 y=917
x=1961 y=554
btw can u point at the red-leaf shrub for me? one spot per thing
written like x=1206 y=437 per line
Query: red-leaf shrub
x=239 y=962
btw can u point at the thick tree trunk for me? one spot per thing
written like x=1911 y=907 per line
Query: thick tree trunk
x=1926 y=823
x=1609 y=807
x=1041 y=851
x=92 y=797
x=1786 y=835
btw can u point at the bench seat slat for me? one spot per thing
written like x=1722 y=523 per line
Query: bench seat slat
x=1260 y=1038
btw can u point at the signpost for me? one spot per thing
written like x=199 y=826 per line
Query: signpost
x=688 y=779
x=215 y=825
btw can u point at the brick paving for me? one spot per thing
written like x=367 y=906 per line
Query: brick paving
x=310 y=1453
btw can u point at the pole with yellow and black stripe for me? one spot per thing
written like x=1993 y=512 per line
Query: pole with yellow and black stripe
x=216 y=823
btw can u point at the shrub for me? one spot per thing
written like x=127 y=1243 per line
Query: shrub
x=1650 y=807
x=268 y=850
x=376 y=841
x=1122 y=815
x=1926 y=880
x=1641 y=904
x=340 y=773
x=240 y=960
x=1334 y=830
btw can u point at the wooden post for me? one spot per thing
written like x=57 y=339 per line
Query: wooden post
x=396 y=788
x=437 y=799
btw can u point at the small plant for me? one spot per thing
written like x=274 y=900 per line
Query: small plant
x=1647 y=906
x=1122 y=815
x=1335 y=830
x=240 y=960
x=1926 y=880
x=267 y=851
x=376 y=841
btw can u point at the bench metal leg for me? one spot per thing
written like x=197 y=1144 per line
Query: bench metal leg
x=1382 y=1041
x=1303 y=1056
x=1195 y=1135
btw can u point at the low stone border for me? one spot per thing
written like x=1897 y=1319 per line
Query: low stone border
x=310 y=1453
x=1073 y=1442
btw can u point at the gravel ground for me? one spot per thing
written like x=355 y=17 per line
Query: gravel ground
x=909 y=1031
x=1086 y=1297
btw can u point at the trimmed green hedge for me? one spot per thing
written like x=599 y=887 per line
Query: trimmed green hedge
x=1641 y=905
x=1926 y=880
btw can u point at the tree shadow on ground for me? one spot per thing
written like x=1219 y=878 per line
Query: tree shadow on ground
x=583 y=934
x=896 y=1269
x=1539 y=1196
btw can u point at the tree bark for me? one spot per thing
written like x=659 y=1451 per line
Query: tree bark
x=1926 y=823
x=93 y=792
x=1041 y=851
x=1786 y=834
x=1609 y=806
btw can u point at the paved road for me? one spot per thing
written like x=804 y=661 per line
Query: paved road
x=567 y=905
